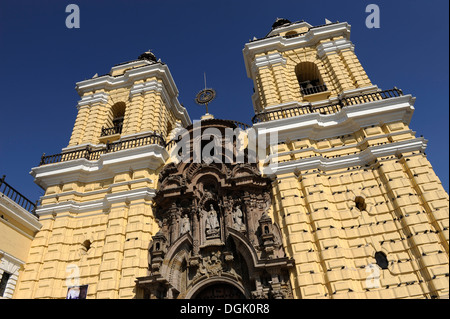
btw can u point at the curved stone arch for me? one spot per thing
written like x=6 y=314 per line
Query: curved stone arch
x=193 y=291
x=320 y=63
x=245 y=248
x=245 y=169
x=205 y=170
x=307 y=58
x=209 y=172
x=189 y=169
x=171 y=180
x=192 y=170
x=115 y=112
x=178 y=252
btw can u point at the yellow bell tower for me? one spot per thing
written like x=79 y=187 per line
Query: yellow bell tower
x=361 y=210
x=135 y=98
x=96 y=213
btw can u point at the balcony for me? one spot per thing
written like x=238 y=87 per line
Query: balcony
x=307 y=88
x=325 y=109
x=108 y=131
x=17 y=197
x=92 y=154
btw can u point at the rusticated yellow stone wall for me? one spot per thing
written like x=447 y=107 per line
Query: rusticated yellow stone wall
x=334 y=243
x=118 y=236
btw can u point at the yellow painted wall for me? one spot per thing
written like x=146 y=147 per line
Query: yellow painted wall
x=119 y=237
x=13 y=236
x=332 y=241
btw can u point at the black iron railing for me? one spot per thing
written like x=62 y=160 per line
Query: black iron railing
x=327 y=109
x=314 y=89
x=16 y=196
x=107 y=131
x=94 y=154
x=294 y=35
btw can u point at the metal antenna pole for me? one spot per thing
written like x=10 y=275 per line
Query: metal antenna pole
x=206 y=104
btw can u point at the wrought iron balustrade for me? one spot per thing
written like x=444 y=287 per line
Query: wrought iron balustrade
x=94 y=154
x=314 y=89
x=326 y=109
x=16 y=196
x=107 y=131
x=294 y=35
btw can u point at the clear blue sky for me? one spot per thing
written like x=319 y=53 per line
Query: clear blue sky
x=41 y=60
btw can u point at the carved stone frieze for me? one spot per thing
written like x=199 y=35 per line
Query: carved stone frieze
x=215 y=231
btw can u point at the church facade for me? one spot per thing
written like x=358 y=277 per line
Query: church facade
x=327 y=195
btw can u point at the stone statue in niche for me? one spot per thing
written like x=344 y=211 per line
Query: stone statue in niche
x=238 y=216
x=212 y=223
x=185 y=225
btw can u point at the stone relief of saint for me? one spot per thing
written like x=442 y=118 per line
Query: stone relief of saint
x=185 y=225
x=238 y=222
x=212 y=222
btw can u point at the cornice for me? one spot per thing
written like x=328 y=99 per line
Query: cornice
x=350 y=119
x=16 y=261
x=108 y=83
x=81 y=170
x=19 y=214
x=96 y=205
x=334 y=46
x=87 y=100
x=327 y=164
x=280 y=43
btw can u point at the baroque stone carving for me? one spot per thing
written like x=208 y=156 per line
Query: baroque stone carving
x=215 y=230
x=212 y=223
x=185 y=225
x=238 y=222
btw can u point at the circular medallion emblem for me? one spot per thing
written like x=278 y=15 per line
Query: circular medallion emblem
x=205 y=96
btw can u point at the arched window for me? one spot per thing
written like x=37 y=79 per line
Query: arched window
x=309 y=78
x=115 y=120
x=118 y=114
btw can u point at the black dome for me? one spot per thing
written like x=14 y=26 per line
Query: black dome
x=279 y=22
x=147 y=56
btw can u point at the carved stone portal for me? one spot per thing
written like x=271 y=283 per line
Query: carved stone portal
x=216 y=237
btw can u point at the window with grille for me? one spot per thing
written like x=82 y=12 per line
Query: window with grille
x=4 y=282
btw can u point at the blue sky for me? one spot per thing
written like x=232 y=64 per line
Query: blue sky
x=41 y=60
